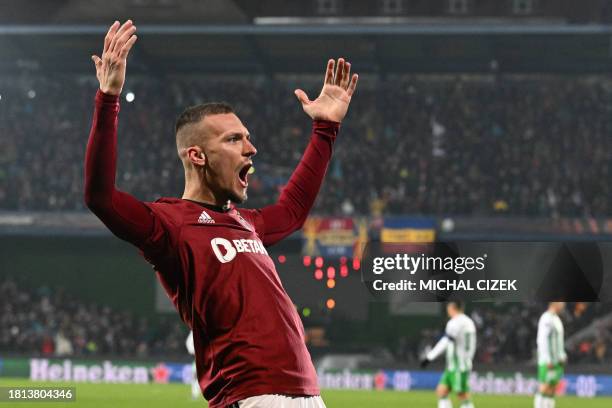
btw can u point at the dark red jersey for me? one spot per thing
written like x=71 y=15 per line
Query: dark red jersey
x=247 y=335
x=214 y=265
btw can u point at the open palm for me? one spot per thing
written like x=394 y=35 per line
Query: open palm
x=335 y=97
x=111 y=66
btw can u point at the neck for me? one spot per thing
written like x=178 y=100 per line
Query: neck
x=197 y=190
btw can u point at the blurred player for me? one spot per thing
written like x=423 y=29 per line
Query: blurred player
x=210 y=257
x=551 y=355
x=195 y=386
x=459 y=342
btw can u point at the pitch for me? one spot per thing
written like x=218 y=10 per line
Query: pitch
x=177 y=396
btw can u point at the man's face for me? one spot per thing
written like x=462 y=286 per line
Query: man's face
x=558 y=306
x=228 y=152
x=450 y=310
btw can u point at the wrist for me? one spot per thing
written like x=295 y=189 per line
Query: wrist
x=325 y=128
x=325 y=123
x=105 y=98
x=110 y=91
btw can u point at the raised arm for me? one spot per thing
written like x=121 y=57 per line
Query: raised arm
x=124 y=215
x=327 y=111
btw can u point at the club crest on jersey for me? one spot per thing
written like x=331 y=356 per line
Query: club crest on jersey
x=226 y=250
x=205 y=218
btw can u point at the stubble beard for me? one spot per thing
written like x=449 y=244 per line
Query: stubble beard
x=238 y=198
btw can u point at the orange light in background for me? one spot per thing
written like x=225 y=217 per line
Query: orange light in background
x=331 y=283
x=318 y=274
x=344 y=271
x=307 y=260
x=331 y=272
x=356 y=264
x=319 y=262
x=282 y=258
x=331 y=303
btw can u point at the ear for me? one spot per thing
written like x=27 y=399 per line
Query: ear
x=196 y=156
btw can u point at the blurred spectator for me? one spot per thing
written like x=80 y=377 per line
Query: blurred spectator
x=63 y=346
x=49 y=322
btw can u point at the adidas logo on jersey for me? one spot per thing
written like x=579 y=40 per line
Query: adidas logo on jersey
x=205 y=218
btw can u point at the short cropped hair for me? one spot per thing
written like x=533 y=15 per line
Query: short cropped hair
x=194 y=114
x=458 y=304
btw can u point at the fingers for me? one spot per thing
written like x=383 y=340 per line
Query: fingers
x=119 y=33
x=346 y=75
x=109 y=36
x=329 y=73
x=120 y=36
x=341 y=76
x=124 y=39
x=97 y=60
x=302 y=97
x=339 y=72
x=127 y=47
x=353 y=85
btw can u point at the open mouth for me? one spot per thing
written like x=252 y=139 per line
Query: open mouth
x=243 y=174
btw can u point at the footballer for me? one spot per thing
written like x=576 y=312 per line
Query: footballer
x=209 y=255
x=459 y=343
x=551 y=355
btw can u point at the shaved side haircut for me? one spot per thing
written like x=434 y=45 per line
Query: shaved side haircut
x=193 y=115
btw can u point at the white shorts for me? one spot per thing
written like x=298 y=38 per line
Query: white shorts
x=281 y=401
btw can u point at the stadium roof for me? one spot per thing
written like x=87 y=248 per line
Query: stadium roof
x=270 y=49
x=106 y=11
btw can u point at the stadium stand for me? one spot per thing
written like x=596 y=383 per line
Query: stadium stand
x=459 y=145
x=49 y=322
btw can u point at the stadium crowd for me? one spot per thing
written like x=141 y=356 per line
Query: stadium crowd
x=49 y=322
x=528 y=145
x=596 y=348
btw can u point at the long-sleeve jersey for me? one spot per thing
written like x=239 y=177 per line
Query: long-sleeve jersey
x=551 y=346
x=459 y=342
x=213 y=264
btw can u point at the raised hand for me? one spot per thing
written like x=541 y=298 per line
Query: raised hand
x=335 y=97
x=110 y=69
